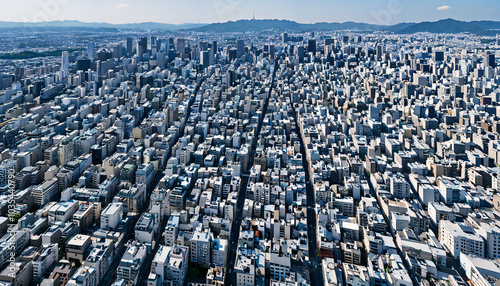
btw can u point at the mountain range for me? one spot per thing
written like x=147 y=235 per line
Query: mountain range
x=441 y=26
x=72 y=24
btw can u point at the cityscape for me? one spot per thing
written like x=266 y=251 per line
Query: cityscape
x=253 y=152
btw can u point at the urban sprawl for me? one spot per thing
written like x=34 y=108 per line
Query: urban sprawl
x=263 y=158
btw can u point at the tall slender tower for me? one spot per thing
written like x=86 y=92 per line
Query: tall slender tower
x=91 y=50
x=65 y=63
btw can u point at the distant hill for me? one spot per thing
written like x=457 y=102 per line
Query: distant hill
x=441 y=26
x=398 y=27
x=67 y=24
x=282 y=25
x=444 y=26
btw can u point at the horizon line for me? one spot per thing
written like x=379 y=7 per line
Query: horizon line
x=247 y=19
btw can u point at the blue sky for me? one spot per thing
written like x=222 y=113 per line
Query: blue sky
x=209 y=11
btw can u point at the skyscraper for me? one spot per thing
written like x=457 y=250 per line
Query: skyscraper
x=205 y=58
x=138 y=50
x=379 y=51
x=91 y=50
x=311 y=46
x=211 y=56
x=158 y=45
x=65 y=63
x=214 y=47
x=285 y=37
x=153 y=42
x=144 y=45
x=181 y=47
x=300 y=53
x=240 y=48
x=129 y=46
x=161 y=59
x=489 y=60
x=170 y=44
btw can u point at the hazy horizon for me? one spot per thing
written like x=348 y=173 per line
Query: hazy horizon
x=382 y=12
x=270 y=19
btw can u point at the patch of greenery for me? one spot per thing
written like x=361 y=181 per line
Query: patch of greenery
x=62 y=247
x=488 y=41
x=32 y=45
x=30 y=54
x=193 y=272
x=14 y=218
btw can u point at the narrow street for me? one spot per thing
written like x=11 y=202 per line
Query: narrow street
x=315 y=270
x=129 y=235
x=235 y=228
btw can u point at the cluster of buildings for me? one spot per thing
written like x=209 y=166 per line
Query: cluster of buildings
x=253 y=159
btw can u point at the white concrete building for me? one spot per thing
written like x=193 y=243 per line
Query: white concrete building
x=356 y=275
x=201 y=246
x=219 y=252
x=491 y=235
x=146 y=228
x=170 y=265
x=171 y=230
x=84 y=276
x=480 y=271
x=111 y=216
x=245 y=271
x=131 y=262
x=459 y=238
x=44 y=260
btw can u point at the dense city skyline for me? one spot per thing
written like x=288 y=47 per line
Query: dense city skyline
x=356 y=143
x=386 y=12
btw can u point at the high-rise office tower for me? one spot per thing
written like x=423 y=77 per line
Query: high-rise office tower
x=153 y=42
x=214 y=47
x=117 y=51
x=170 y=44
x=271 y=51
x=144 y=45
x=211 y=59
x=379 y=51
x=195 y=53
x=138 y=50
x=65 y=63
x=285 y=37
x=129 y=46
x=489 y=60
x=240 y=48
x=438 y=56
x=311 y=46
x=91 y=50
x=161 y=59
x=158 y=44
x=233 y=54
x=300 y=54
x=204 y=58
x=181 y=47
x=171 y=55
